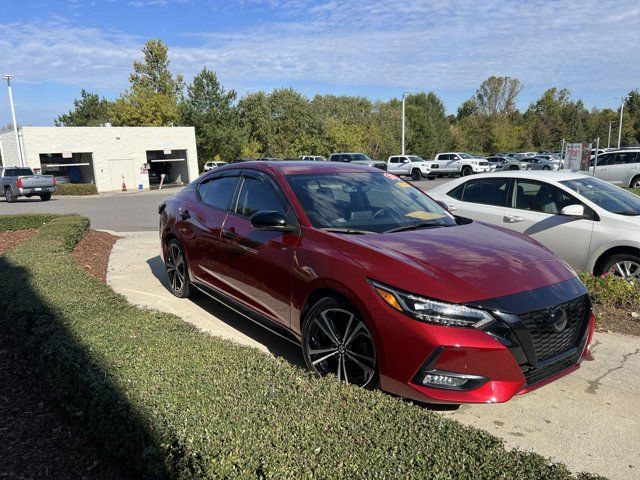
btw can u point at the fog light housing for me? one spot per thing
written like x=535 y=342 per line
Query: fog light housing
x=449 y=380
x=442 y=380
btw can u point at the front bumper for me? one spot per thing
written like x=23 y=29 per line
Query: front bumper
x=481 y=169
x=501 y=358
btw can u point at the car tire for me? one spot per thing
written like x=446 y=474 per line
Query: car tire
x=9 y=196
x=514 y=168
x=175 y=263
x=45 y=197
x=335 y=340
x=466 y=171
x=635 y=183
x=546 y=167
x=416 y=175
x=431 y=177
x=625 y=265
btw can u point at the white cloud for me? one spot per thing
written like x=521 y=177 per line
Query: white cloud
x=441 y=44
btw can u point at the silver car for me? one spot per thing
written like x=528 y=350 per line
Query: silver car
x=592 y=225
x=507 y=163
x=540 y=162
x=620 y=167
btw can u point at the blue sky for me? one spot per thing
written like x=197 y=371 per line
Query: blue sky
x=373 y=48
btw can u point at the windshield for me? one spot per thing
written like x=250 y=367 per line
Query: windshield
x=365 y=202
x=466 y=155
x=359 y=156
x=415 y=158
x=605 y=195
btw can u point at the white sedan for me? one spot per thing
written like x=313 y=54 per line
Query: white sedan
x=593 y=225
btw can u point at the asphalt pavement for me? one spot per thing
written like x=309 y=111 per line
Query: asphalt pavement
x=118 y=211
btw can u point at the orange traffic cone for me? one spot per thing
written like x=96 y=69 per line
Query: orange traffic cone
x=124 y=186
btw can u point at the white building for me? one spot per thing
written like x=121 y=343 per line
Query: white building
x=107 y=156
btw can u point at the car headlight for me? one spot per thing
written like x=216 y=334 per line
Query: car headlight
x=432 y=311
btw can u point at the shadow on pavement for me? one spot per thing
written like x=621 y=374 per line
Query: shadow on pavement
x=276 y=345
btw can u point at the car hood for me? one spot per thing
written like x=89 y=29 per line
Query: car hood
x=456 y=264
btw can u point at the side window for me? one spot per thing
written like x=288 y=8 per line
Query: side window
x=625 y=157
x=606 y=159
x=457 y=192
x=218 y=191
x=258 y=195
x=541 y=197
x=491 y=191
x=394 y=160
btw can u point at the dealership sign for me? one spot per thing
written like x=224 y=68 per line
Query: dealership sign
x=577 y=156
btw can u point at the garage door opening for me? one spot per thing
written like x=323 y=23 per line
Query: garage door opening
x=68 y=167
x=170 y=163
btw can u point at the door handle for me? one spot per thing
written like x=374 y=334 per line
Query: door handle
x=228 y=233
x=184 y=214
x=513 y=219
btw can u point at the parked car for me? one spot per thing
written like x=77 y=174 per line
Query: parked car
x=377 y=282
x=620 y=167
x=459 y=163
x=23 y=182
x=591 y=224
x=542 y=162
x=357 y=158
x=413 y=166
x=507 y=163
x=268 y=159
x=313 y=158
x=211 y=165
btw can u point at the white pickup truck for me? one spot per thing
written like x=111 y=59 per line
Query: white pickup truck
x=459 y=163
x=23 y=182
x=414 y=166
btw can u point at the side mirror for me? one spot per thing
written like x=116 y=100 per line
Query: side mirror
x=573 y=210
x=448 y=208
x=270 y=220
x=405 y=161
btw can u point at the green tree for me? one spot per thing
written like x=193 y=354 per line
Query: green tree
x=497 y=95
x=152 y=99
x=210 y=109
x=89 y=111
x=427 y=125
x=631 y=120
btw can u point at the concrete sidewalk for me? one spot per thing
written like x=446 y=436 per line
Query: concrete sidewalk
x=589 y=420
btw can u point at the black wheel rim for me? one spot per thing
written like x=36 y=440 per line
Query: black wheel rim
x=175 y=267
x=339 y=343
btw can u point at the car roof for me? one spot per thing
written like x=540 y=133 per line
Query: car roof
x=301 y=167
x=543 y=175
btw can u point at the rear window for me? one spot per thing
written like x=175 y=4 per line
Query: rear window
x=490 y=191
x=17 y=172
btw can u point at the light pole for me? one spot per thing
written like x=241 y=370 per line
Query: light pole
x=609 y=139
x=404 y=96
x=13 y=116
x=622 y=100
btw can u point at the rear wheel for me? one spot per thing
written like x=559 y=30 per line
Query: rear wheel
x=416 y=175
x=635 y=183
x=177 y=273
x=624 y=265
x=335 y=340
x=45 y=197
x=466 y=171
x=9 y=196
x=513 y=167
x=546 y=167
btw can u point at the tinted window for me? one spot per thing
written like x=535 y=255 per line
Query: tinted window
x=17 y=172
x=491 y=191
x=258 y=195
x=625 y=157
x=606 y=159
x=457 y=192
x=218 y=192
x=605 y=195
x=394 y=160
x=541 y=197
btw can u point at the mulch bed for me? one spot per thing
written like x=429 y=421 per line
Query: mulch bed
x=93 y=252
x=38 y=439
x=13 y=238
x=618 y=320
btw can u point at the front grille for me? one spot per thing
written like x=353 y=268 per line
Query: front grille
x=548 y=342
x=434 y=166
x=484 y=164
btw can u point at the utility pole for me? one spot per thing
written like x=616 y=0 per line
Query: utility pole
x=622 y=100
x=13 y=116
x=609 y=139
x=404 y=96
x=595 y=160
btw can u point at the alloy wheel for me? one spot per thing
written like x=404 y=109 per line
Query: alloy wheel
x=627 y=269
x=175 y=265
x=340 y=343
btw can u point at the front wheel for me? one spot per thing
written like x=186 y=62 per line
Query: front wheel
x=416 y=175
x=9 y=196
x=177 y=273
x=335 y=340
x=624 y=265
x=466 y=171
x=546 y=167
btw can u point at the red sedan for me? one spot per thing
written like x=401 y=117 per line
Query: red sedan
x=379 y=284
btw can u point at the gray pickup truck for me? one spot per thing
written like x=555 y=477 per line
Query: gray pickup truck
x=23 y=182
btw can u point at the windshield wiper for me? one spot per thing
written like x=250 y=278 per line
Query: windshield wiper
x=628 y=213
x=416 y=226
x=353 y=231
